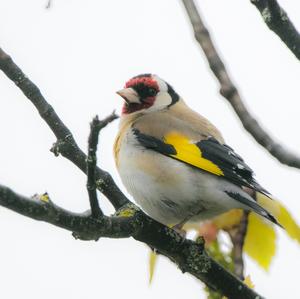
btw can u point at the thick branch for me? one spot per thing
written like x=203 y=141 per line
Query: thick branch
x=278 y=21
x=229 y=91
x=65 y=144
x=188 y=255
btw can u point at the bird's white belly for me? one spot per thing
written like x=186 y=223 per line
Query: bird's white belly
x=169 y=190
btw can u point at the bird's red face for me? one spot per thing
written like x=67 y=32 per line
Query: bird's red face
x=147 y=93
x=139 y=93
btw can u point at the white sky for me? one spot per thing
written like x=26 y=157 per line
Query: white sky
x=79 y=53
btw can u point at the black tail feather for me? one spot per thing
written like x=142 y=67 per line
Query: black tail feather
x=254 y=206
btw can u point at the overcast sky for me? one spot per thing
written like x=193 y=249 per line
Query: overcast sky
x=79 y=53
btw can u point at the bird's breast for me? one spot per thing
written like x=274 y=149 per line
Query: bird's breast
x=164 y=187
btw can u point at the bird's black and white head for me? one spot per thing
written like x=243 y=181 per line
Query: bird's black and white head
x=147 y=93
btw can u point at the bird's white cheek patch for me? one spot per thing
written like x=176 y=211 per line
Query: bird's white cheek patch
x=161 y=83
x=163 y=99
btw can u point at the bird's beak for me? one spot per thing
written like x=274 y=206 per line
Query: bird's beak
x=129 y=95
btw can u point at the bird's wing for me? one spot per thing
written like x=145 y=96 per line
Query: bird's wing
x=206 y=154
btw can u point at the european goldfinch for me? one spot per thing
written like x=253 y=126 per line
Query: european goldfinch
x=174 y=162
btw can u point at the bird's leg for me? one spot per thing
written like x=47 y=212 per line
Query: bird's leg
x=178 y=227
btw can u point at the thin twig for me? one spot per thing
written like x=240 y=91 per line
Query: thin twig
x=229 y=91
x=237 y=236
x=91 y=166
x=278 y=21
x=96 y=125
x=49 y=4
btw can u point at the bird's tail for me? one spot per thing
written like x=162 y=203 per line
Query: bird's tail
x=253 y=205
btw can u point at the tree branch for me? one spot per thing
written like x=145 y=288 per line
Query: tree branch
x=278 y=21
x=229 y=91
x=84 y=225
x=49 y=4
x=128 y=221
x=96 y=125
x=65 y=144
x=188 y=255
x=91 y=166
x=237 y=235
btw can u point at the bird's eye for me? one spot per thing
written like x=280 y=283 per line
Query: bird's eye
x=152 y=91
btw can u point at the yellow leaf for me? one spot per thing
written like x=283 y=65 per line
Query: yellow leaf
x=152 y=265
x=260 y=241
x=228 y=220
x=282 y=215
x=287 y=221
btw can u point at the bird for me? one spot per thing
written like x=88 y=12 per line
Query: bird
x=174 y=162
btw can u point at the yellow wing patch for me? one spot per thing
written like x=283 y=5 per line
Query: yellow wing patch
x=190 y=153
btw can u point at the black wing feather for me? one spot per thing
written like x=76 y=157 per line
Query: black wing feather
x=232 y=165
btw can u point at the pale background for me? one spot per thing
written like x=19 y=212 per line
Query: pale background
x=79 y=53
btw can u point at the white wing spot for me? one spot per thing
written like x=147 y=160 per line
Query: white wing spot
x=240 y=166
